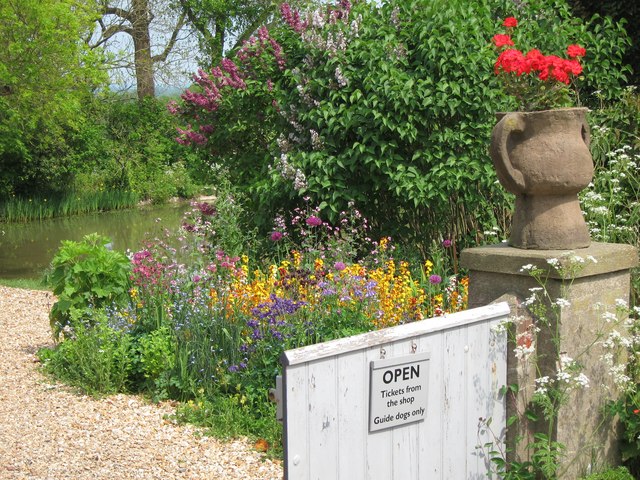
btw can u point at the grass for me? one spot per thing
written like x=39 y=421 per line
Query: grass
x=25 y=283
x=19 y=209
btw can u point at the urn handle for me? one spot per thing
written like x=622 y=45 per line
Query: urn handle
x=510 y=177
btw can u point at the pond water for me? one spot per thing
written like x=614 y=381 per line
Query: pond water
x=27 y=249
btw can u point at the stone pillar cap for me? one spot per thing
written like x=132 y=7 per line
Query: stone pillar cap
x=501 y=258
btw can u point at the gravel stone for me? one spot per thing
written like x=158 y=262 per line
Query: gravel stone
x=49 y=432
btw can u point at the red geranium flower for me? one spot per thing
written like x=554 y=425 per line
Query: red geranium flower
x=535 y=80
x=510 y=22
x=501 y=40
x=576 y=51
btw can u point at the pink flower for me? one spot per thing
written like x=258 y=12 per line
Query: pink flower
x=276 y=236
x=435 y=279
x=446 y=243
x=339 y=266
x=314 y=221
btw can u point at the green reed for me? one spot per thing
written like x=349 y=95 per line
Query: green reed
x=20 y=209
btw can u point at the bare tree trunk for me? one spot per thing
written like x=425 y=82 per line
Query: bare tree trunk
x=141 y=19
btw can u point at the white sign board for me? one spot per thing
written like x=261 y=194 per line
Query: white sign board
x=398 y=391
x=329 y=407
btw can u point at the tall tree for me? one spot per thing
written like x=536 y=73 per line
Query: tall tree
x=225 y=24
x=46 y=75
x=134 y=18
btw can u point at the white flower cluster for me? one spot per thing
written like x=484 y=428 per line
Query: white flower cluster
x=500 y=327
x=619 y=374
x=316 y=142
x=340 y=78
x=335 y=41
x=562 y=303
x=542 y=385
x=491 y=233
x=616 y=339
x=306 y=98
x=355 y=26
x=535 y=291
x=568 y=373
x=395 y=16
x=289 y=172
x=569 y=264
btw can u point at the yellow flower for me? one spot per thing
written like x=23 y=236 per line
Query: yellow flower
x=297 y=258
x=428 y=267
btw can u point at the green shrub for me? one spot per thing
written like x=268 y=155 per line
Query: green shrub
x=389 y=105
x=85 y=275
x=156 y=361
x=96 y=358
x=619 y=473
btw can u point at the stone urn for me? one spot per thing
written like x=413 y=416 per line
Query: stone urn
x=544 y=159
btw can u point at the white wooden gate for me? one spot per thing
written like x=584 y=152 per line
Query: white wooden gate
x=328 y=398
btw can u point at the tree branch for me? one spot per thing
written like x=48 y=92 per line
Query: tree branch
x=174 y=36
x=118 y=12
x=250 y=30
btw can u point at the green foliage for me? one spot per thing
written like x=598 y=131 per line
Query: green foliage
x=620 y=473
x=17 y=209
x=46 y=76
x=24 y=283
x=390 y=107
x=229 y=228
x=627 y=406
x=618 y=10
x=83 y=275
x=97 y=359
x=216 y=22
x=234 y=416
x=156 y=361
x=612 y=202
x=130 y=145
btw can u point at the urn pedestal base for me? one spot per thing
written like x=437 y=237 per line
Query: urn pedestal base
x=548 y=222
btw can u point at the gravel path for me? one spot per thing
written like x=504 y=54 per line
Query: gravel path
x=48 y=432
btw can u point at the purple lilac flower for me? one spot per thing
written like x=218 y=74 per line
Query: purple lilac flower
x=435 y=279
x=446 y=243
x=339 y=266
x=276 y=236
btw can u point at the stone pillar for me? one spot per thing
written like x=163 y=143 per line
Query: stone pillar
x=495 y=273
